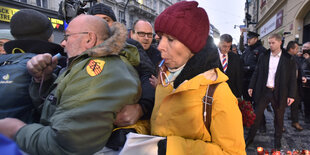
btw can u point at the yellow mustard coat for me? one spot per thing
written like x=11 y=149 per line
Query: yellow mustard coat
x=177 y=115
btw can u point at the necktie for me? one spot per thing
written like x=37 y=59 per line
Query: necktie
x=224 y=63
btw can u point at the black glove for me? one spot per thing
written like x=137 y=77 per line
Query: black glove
x=162 y=147
x=118 y=138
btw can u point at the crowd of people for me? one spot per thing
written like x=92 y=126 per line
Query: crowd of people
x=115 y=92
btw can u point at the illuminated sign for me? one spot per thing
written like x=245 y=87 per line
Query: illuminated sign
x=7 y=13
x=275 y=22
x=57 y=23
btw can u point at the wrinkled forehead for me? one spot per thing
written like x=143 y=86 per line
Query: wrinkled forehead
x=78 y=23
x=143 y=26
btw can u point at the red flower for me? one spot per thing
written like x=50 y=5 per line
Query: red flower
x=248 y=115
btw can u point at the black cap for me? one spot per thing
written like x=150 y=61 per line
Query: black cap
x=102 y=9
x=30 y=24
x=251 y=34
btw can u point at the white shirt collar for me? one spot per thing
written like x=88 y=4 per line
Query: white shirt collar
x=277 y=55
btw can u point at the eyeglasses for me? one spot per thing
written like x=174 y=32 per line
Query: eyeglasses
x=142 y=34
x=163 y=76
x=67 y=35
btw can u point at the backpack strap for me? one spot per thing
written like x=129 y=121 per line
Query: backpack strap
x=207 y=101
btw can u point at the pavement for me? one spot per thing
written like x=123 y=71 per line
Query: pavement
x=291 y=140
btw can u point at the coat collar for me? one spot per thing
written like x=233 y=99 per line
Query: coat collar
x=203 y=79
x=113 y=45
x=204 y=60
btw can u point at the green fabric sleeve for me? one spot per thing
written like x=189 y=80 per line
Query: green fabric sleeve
x=85 y=111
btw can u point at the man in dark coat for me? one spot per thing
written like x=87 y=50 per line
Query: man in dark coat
x=292 y=48
x=274 y=80
x=230 y=65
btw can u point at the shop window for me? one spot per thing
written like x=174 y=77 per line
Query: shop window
x=23 y=1
x=130 y=21
x=42 y=3
x=155 y=4
x=121 y=16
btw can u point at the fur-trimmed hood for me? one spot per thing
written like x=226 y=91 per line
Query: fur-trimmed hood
x=113 y=45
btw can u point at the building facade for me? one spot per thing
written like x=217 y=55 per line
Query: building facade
x=126 y=11
x=290 y=18
x=47 y=7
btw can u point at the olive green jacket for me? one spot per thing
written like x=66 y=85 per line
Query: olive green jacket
x=78 y=114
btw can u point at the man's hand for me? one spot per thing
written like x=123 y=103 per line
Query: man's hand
x=10 y=126
x=250 y=91
x=41 y=64
x=153 y=81
x=290 y=101
x=128 y=115
x=306 y=56
x=303 y=79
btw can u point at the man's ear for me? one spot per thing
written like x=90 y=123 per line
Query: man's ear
x=91 y=40
x=256 y=39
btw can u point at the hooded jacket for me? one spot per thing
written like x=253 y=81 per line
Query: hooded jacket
x=15 y=98
x=178 y=110
x=78 y=114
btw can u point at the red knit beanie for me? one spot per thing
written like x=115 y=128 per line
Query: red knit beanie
x=187 y=22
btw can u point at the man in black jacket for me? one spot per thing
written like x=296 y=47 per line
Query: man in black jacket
x=230 y=65
x=249 y=60
x=274 y=80
x=292 y=48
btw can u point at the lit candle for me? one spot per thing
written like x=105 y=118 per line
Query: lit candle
x=295 y=153
x=306 y=152
x=288 y=152
x=260 y=151
x=277 y=153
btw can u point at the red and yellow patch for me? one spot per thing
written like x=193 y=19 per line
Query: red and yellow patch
x=95 y=67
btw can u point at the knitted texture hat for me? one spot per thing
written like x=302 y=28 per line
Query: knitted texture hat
x=187 y=22
x=29 y=24
x=102 y=9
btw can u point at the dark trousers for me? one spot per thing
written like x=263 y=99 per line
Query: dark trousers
x=295 y=109
x=306 y=99
x=278 y=109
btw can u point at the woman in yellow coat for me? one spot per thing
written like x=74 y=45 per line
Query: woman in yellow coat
x=189 y=65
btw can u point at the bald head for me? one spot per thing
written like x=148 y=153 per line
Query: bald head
x=142 y=32
x=84 y=32
x=89 y=23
